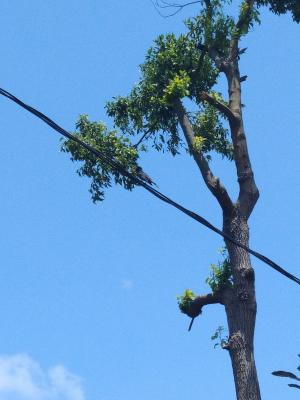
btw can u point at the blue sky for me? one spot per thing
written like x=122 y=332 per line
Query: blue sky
x=88 y=292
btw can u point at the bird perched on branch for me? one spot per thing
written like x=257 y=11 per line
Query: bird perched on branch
x=144 y=177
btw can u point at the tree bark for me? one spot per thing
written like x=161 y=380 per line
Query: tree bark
x=212 y=182
x=240 y=306
x=239 y=301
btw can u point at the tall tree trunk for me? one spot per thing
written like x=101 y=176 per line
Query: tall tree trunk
x=240 y=306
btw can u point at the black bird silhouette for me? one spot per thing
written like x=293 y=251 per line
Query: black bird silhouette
x=144 y=177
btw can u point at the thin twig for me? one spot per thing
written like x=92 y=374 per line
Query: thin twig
x=162 y=4
x=141 y=139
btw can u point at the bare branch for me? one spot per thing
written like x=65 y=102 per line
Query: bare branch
x=249 y=194
x=213 y=183
x=162 y=4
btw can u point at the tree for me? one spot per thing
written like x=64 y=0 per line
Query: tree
x=176 y=72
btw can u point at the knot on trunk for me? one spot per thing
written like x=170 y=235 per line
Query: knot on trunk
x=243 y=295
x=236 y=342
x=248 y=273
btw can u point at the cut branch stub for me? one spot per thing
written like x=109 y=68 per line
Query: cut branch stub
x=193 y=308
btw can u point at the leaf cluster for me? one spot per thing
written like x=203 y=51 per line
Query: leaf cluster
x=219 y=338
x=111 y=145
x=185 y=300
x=212 y=28
x=175 y=68
x=247 y=19
x=221 y=274
x=282 y=7
x=210 y=133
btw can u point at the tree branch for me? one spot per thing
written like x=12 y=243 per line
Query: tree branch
x=165 y=4
x=214 y=55
x=144 y=136
x=212 y=182
x=222 y=107
x=194 y=307
x=243 y=19
x=249 y=193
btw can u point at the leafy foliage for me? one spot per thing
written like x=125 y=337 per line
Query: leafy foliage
x=171 y=71
x=219 y=338
x=111 y=145
x=212 y=28
x=184 y=301
x=283 y=6
x=175 y=69
x=210 y=134
x=221 y=275
x=248 y=16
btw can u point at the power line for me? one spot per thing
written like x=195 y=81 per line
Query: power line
x=117 y=166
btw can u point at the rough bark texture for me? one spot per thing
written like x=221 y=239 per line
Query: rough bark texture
x=240 y=306
x=239 y=301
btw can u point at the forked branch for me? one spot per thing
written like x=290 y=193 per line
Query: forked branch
x=213 y=183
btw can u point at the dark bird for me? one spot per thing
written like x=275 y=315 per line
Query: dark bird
x=242 y=51
x=144 y=177
x=243 y=78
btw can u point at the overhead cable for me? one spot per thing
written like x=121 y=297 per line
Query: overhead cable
x=118 y=167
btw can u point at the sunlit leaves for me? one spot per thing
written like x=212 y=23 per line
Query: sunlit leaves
x=177 y=88
x=174 y=69
x=221 y=274
x=210 y=133
x=212 y=28
x=185 y=300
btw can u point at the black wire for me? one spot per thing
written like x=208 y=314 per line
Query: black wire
x=117 y=166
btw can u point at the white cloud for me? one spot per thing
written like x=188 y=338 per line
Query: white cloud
x=22 y=378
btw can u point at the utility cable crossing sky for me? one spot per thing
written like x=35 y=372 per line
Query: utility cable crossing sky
x=117 y=166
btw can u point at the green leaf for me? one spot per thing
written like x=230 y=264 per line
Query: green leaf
x=220 y=275
x=109 y=143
